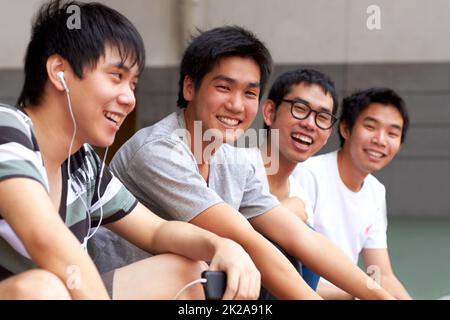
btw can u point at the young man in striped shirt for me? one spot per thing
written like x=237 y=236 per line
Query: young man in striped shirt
x=79 y=87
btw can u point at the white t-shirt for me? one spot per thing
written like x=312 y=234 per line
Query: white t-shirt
x=295 y=189
x=351 y=220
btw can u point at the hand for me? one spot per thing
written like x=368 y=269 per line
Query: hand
x=243 y=278
x=297 y=206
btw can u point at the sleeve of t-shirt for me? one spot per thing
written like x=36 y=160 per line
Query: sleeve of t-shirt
x=19 y=157
x=257 y=198
x=115 y=200
x=166 y=173
x=377 y=234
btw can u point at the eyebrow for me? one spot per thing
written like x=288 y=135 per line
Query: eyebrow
x=233 y=81
x=321 y=108
x=372 y=119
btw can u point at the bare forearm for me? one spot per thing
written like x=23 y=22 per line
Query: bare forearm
x=184 y=239
x=278 y=275
x=391 y=284
x=51 y=245
x=329 y=291
x=327 y=260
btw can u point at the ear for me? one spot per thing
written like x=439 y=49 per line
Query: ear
x=188 y=88
x=55 y=63
x=344 y=130
x=268 y=112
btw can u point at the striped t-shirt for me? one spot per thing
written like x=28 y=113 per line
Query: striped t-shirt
x=20 y=157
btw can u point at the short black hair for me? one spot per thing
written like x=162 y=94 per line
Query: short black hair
x=353 y=105
x=81 y=47
x=209 y=47
x=284 y=83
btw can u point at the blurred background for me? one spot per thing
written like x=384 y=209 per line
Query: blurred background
x=402 y=44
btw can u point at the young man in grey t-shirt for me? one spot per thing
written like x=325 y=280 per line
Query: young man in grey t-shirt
x=192 y=175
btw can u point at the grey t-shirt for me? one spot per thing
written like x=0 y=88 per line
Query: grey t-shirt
x=158 y=167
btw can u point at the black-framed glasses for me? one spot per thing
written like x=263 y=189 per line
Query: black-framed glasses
x=301 y=110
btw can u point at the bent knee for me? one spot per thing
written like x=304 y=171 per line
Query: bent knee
x=39 y=285
x=189 y=270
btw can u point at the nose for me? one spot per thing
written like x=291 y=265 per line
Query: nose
x=127 y=99
x=235 y=103
x=379 y=137
x=309 y=122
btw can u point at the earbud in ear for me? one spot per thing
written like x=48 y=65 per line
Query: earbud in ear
x=60 y=75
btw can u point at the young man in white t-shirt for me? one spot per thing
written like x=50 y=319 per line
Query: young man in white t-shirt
x=349 y=203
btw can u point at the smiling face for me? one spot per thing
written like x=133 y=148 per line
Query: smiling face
x=375 y=138
x=103 y=98
x=299 y=139
x=227 y=98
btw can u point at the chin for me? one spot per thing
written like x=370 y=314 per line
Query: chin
x=103 y=143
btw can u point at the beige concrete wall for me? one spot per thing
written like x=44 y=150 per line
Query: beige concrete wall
x=156 y=20
x=296 y=31
x=335 y=31
x=15 y=30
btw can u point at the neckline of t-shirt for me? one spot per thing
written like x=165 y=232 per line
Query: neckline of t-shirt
x=341 y=184
x=182 y=124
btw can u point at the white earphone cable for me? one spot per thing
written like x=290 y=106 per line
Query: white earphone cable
x=201 y=280
x=89 y=235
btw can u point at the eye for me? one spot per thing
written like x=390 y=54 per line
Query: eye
x=299 y=107
x=369 y=127
x=223 y=87
x=251 y=94
x=394 y=134
x=116 y=75
x=324 y=117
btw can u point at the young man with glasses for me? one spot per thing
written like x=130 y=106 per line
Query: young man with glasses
x=222 y=77
x=348 y=202
x=301 y=107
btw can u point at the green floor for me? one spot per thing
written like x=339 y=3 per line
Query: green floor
x=420 y=254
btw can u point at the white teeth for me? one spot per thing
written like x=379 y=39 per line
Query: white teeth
x=112 y=116
x=302 y=138
x=228 y=121
x=374 y=154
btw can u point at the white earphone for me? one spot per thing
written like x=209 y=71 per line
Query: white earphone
x=60 y=75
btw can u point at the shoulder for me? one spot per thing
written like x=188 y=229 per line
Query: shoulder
x=317 y=166
x=373 y=183
x=168 y=128
x=316 y=162
x=16 y=127
x=154 y=141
